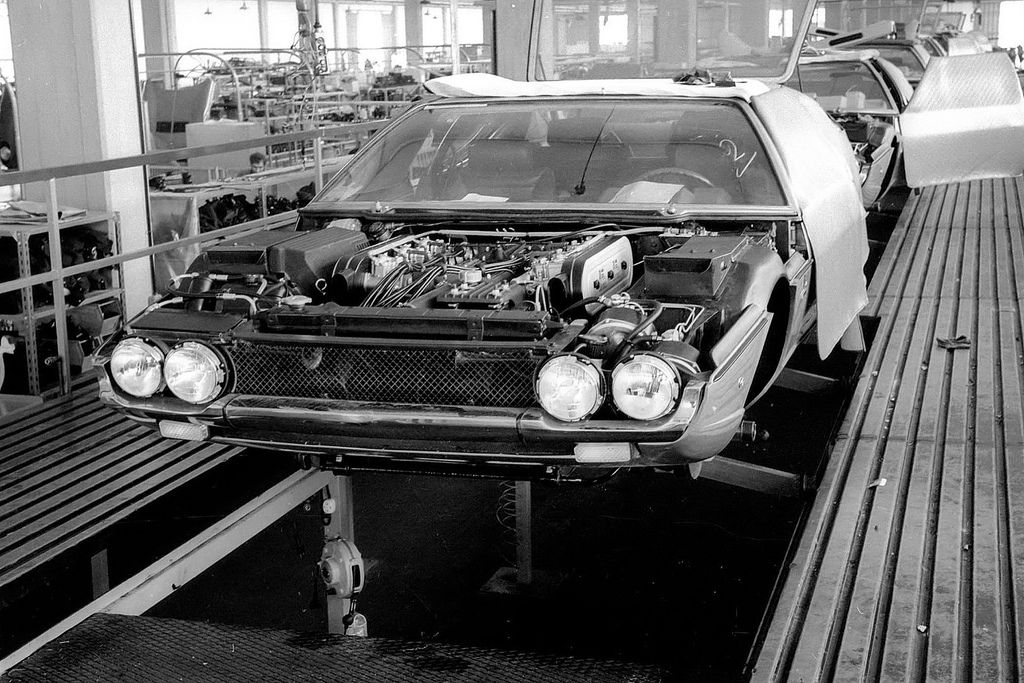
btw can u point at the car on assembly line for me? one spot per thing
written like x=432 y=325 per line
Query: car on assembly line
x=531 y=278
x=865 y=95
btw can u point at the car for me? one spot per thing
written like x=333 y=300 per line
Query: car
x=552 y=279
x=563 y=279
x=865 y=95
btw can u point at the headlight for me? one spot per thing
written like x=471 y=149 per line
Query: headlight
x=570 y=387
x=194 y=372
x=645 y=387
x=135 y=366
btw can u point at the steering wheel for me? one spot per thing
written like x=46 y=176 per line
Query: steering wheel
x=670 y=171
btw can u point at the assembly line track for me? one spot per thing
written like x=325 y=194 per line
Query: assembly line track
x=911 y=563
x=71 y=468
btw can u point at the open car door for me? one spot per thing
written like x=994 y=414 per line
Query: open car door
x=965 y=121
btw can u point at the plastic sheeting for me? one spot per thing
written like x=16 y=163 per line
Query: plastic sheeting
x=823 y=176
x=488 y=85
x=965 y=121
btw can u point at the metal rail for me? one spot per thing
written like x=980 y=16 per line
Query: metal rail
x=168 y=157
x=163 y=577
x=58 y=272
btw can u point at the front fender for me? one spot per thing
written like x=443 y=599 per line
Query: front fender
x=736 y=357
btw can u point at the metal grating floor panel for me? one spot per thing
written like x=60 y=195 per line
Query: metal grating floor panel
x=99 y=465
x=108 y=648
x=911 y=564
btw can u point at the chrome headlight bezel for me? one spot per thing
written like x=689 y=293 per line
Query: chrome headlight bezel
x=216 y=372
x=590 y=372
x=669 y=374
x=155 y=355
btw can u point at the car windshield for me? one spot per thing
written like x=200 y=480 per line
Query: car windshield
x=841 y=86
x=595 y=39
x=557 y=151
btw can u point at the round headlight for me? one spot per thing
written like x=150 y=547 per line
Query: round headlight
x=645 y=387
x=194 y=372
x=135 y=367
x=570 y=388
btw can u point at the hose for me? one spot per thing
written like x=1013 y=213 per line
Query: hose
x=585 y=302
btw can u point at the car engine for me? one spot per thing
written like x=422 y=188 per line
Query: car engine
x=486 y=284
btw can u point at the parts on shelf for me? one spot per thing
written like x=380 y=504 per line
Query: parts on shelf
x=78 y=245
x=88 y=326
x=223 y=212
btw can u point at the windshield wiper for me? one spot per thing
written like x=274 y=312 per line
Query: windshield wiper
x=582 y=186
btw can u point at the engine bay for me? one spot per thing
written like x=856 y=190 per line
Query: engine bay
x=599 y=291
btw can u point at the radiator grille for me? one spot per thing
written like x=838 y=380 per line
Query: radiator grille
x=433 y=376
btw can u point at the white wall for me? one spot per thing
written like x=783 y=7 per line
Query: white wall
x=78 y=102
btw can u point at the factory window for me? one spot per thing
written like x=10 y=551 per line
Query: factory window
x=1011 y=23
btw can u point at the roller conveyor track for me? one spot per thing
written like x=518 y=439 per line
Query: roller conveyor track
x=911 y=564
x=71 y=467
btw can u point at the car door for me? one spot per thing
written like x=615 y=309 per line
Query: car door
x=964 y=122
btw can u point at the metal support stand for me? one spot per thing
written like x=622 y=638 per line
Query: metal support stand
x=524 y=533
x=752 y=477
x=522 y=579
x=807 y=382
x=318 y=164
x=100 y=573
x=28 y=330
x=59 y=305
x=340 y=522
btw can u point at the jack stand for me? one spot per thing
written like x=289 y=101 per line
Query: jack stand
x=340 y=523
x=522 y=579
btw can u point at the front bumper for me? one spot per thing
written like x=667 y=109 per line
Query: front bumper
x=440 y=433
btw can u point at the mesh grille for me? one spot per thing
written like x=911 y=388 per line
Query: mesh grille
x=435 y=376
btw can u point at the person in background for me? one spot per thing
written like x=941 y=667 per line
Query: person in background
x=257 y=162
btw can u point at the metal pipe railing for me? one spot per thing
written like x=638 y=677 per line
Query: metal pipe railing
x=55 y=276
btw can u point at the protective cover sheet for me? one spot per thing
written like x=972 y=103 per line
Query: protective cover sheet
x=488 y=85
x=965 y=121
x=823 y=174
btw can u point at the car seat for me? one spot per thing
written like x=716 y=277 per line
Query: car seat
x=508 y=169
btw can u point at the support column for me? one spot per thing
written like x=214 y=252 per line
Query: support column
x=387 y=20
x=751 y=23
x=515 y=17
x=453 y=35
x=263 y=17
x=594 y=27
x=78 y=102
x=352 y=30
x=487 y=19
x=633 y=30
x=340 y=37
x=413 y=29
x=669 y=47
x=158 y=36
